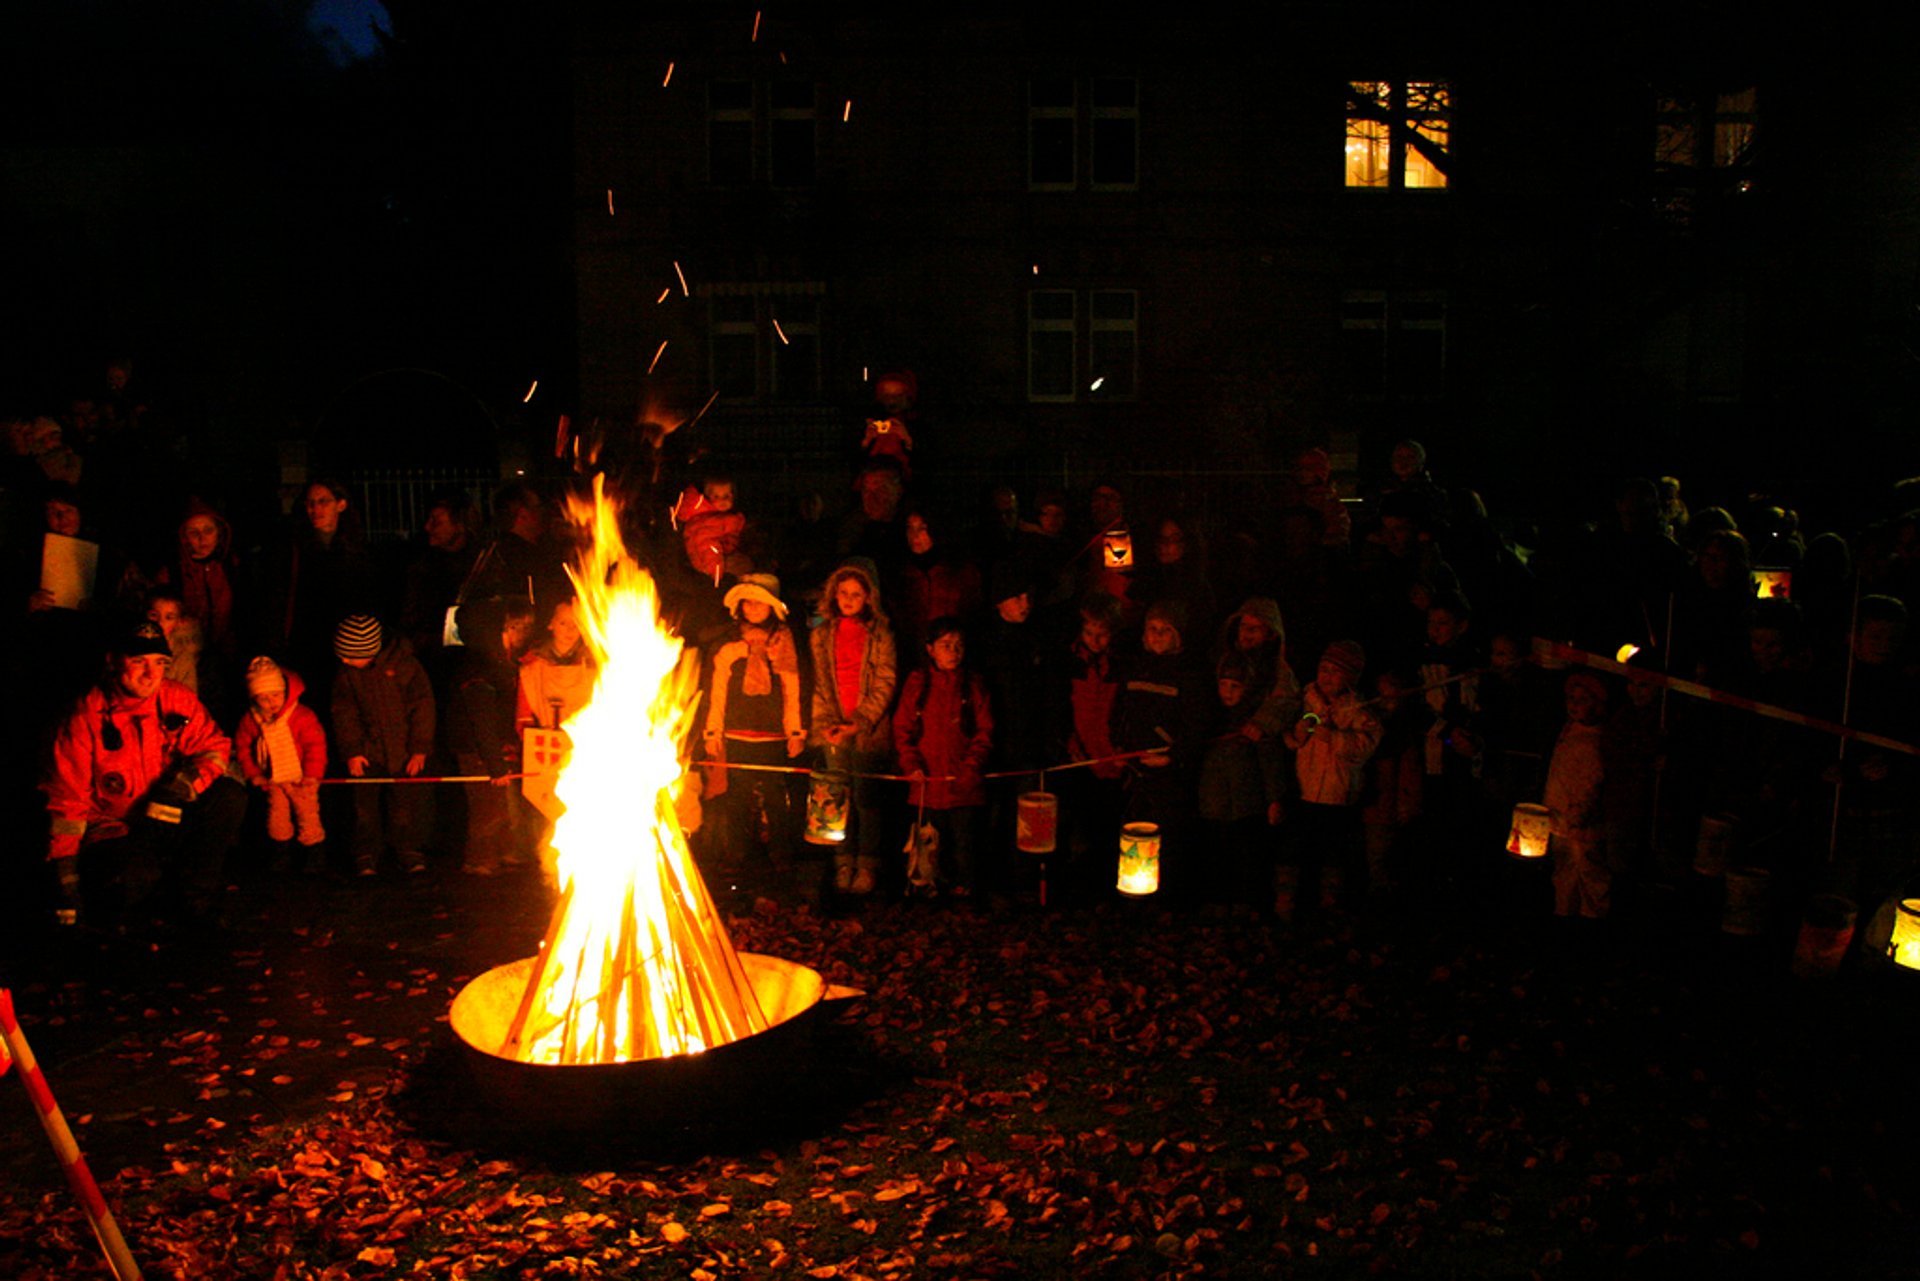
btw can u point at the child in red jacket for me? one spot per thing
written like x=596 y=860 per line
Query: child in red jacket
x=943 y=729
x=283 y=751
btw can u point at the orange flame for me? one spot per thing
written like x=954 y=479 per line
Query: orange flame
x=637 y=963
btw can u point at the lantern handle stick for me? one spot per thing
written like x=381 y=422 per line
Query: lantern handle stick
x=1846 y=712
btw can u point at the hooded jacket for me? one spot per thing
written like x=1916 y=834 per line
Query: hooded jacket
x=250 y=746
x=1274 y=682
x=206 y=586
x=879 y=673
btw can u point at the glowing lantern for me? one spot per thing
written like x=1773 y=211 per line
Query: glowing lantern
x=1825 y=934
x=1769 y=583
x=1714 y=847
x=1904 y=945
x=1139 y=859
x=1625 y=652
x=1116 y=549
x=1036 y=821
x=1532 y=826
x=829 y=793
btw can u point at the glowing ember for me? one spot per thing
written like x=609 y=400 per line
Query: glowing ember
x=658 y=352
x=637 y=963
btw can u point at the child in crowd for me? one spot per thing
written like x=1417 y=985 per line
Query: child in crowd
x=1396 y=778
x=480 y=733
x=753 y=718
x=383 y=721
x=204 y=572
x=1582 y=877
x=1242 y=791
x=1082 y=713
x=184 y=637
x=1161 y=710
x=943 y=729
x=1257 y=635
x=710 y=529
x=854 y=674
x=283 y=751
x=1332 y=742
x=556 y=677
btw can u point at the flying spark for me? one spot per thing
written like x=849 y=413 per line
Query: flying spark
x=704 y=408
x=528 y=398
x=609 y=202
x=1036 y=268
x=846 y=112
x=781 y=332
x=683 y=279
x=669 y=76
x=756 y=27
x=657 y=353
x=663 y=295
x=1097 y=382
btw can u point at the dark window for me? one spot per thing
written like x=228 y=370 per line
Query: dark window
x=1051 y=121
x=1116 y=132
x=790 y=143
x=1051 y=355
x=730 y=133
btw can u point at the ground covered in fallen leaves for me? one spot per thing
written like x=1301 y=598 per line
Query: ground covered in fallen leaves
x=1443 y=1089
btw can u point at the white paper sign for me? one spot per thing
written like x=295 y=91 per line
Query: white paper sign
x=67 y=568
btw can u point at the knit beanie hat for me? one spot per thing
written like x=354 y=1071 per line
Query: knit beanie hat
x=264 y=674
x=1347 y=656
x=358 y=636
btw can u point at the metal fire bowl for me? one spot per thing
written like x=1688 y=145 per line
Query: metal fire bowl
x=647 y=1095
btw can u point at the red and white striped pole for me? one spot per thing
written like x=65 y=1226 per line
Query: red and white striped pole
x=13 y=1043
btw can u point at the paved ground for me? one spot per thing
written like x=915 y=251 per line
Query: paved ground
x=1448 y=1088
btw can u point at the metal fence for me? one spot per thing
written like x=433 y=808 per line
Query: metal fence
x=393 y=501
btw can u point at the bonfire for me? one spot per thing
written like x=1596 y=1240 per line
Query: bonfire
x=636 y=962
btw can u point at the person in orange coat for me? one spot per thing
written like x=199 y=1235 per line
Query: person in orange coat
x=135 y=788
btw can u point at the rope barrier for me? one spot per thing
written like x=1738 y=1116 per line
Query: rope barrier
x=13 y=1044
x=1555 y=651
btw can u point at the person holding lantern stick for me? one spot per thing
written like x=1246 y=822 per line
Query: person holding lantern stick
x=1161 y=709
x=1332 y=741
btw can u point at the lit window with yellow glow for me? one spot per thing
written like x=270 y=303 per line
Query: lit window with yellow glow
x=1397 y=133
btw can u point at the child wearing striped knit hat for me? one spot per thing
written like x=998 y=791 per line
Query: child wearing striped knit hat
x=383 y=727
x=282 y=750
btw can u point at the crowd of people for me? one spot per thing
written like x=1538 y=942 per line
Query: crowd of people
x=1330 y=697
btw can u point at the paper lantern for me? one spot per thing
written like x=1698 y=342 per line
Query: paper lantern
x=1625 y=652
x=1713 y=849
x=1036 y=820
x=829 y=793
x=1825 y=934
x=1769 y=583
x=1904 y=945
x=1116 y=549
x=1139 y=859
x=1532 y=826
